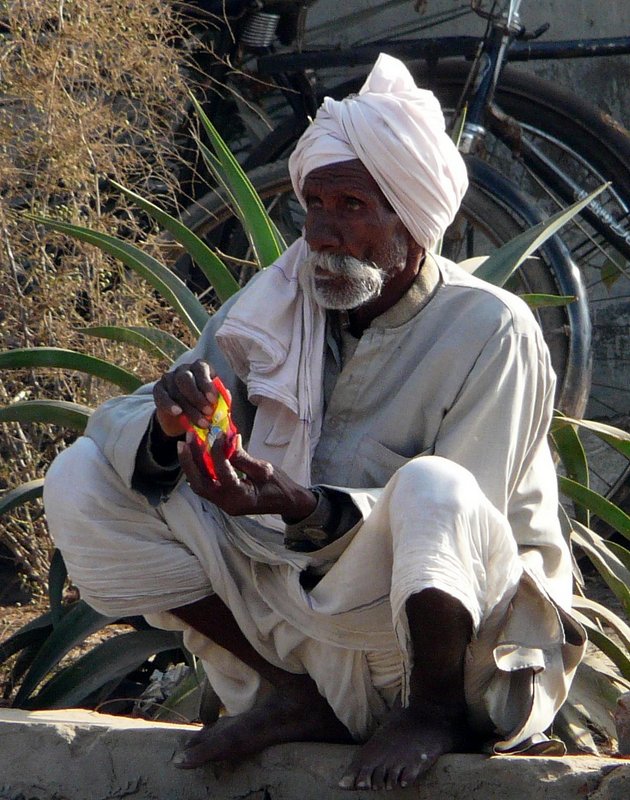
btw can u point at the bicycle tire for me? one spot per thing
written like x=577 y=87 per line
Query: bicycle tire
x=492 y=208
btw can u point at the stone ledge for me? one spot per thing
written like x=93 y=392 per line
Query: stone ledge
x=81 y=755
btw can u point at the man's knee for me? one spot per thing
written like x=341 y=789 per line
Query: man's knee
x=73 y=476
x=436 y=480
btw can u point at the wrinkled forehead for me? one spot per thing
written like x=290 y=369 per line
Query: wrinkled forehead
x=350 y=175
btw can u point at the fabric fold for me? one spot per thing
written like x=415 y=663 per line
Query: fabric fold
x=281 y=362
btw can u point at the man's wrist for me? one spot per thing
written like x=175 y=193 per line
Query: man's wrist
x=303 y=506
x=163 y=447
x=313 y=531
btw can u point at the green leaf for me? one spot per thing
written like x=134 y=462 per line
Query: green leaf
x=569 y=447
x=152 y=340
x=109 y=661
x=35 y=633
x=597 y=504
x=209 y=263
x=175 y=291
x=57 y=575
x=599 y=613
x=548 y=300
x=611 y=272
x=566 y=526
x=266 y=241
x=593 y=697
x=52 y=412
x=615 y=437
x=613 y=571
x=503 y=262
x=69 y=359
x=77 y=624
x=570 y=726
x=606 y=645
x=28 y=491
x=622 y=553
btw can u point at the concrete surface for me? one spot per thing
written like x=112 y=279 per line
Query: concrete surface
x=81 y=755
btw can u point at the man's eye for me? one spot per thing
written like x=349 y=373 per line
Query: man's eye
x=353 y=203
x=312 y=202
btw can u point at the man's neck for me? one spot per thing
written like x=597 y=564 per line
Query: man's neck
x=361 y=318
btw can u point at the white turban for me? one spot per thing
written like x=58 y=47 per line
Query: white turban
x=397 y=130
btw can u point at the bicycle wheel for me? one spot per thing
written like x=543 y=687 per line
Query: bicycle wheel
x=591 y=149
x=492 y=213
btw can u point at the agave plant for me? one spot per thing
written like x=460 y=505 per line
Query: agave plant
x=41 y=644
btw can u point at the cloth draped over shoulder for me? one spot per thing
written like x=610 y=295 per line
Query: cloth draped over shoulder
x=397 y=130
x=281 y=363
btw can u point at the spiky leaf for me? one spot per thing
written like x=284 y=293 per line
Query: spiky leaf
x=266 y=241
x=615 y=437
x=57 y=575
x=215 y=271
x=161 y=344
x=109 y=661
x=77 y=624
x=31 y=490
x=52 y=412
x=612 y=570
x=597 y=504
x=498 y=267
x=71 y=360
x=174 y=290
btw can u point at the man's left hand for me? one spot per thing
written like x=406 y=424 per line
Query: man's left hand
x=244 y=485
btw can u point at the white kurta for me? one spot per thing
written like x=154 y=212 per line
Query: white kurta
x=467 y=379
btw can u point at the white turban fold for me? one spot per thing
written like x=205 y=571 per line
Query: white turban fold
x=397 y=130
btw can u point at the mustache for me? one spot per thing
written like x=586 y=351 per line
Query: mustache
x=339 y=264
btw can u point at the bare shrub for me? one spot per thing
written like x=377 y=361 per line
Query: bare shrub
x=91 y=90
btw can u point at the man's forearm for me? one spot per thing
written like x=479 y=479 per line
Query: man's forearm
x=157 y=467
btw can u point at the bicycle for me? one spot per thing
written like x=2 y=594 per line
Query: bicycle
x=562 y=145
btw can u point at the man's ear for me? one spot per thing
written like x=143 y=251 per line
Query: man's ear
x=415 y=251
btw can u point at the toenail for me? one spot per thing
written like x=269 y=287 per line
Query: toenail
x=346 y=782
x=424 y=757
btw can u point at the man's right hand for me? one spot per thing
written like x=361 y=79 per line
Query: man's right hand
x=187 y=390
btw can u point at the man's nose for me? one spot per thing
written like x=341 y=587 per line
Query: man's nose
x=323 y=232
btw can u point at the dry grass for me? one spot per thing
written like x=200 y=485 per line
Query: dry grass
x=91 y=90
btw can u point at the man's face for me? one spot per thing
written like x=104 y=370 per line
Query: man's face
x=359 y=244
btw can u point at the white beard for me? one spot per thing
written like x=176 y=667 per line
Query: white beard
x=339 y=282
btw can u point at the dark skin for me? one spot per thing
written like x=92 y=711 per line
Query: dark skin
x=346 y=214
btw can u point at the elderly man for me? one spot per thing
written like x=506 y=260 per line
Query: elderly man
x=383 y=562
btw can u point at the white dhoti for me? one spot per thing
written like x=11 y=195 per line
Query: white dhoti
x=430 y=527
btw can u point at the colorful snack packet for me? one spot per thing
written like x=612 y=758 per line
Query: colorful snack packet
x=220 y=422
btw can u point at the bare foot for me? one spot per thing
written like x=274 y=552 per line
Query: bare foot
x=295 y=714
x=402 y=750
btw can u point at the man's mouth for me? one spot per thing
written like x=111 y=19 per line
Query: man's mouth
x=323 y=276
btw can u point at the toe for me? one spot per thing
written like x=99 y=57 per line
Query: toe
x=393 y=777
x=410 y=775
x=364 y=778
x=378 y=777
